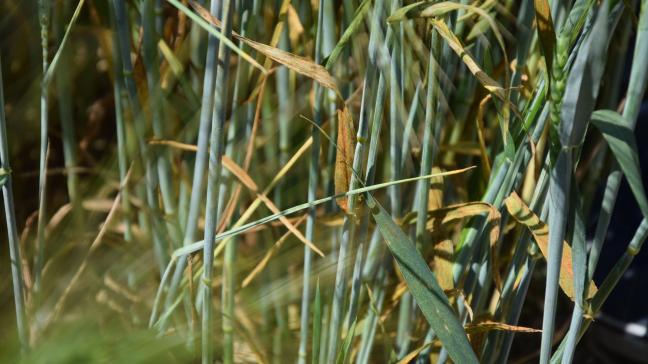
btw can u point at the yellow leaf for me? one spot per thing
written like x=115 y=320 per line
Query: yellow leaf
x=435 y=197
x=480 y=136
x=296 y=27
x=540 y=231
x=268 y=255
x=446 y=215
x=443 y=264
x=546 y=33
x=454 y=43
x=441 y=8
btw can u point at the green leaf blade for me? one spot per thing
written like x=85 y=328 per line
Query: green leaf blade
x=424 y=287
x=623 y=144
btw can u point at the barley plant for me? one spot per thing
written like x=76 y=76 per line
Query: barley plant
x=368 y=181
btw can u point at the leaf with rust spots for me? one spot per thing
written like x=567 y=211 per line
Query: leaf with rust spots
x=540 y=231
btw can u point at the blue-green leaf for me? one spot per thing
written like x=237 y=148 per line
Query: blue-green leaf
x=424 y=287
x=579 y=246
x=317 y=323
x=623 y=144
x=353 y=28
x=346 y=346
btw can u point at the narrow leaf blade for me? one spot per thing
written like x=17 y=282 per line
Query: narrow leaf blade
x=623 y=144
x=424 y=287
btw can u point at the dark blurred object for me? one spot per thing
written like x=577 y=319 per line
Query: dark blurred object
x=610 y=340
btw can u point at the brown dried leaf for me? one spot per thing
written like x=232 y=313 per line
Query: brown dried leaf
x=480 y=136
x=485 y=326
x=344 y=156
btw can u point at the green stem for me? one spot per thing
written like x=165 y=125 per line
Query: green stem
x=313 y=176
x=122 y=153
x=65 y=107
x=12 y=229
x=44 y=16
x=216 y=145
x=200 y=164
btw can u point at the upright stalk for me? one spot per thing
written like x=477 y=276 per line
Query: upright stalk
x=349 y=226
x=348 y=230
x=206 y=109
x=156 y=108
x=122 y=153
x=156 y=228
x=376 y=125
x=634 y=97
x=12 y=229
x=44 y=8
x=560 y=180
x=313 y=176
x=216 y=148
x=65 y=106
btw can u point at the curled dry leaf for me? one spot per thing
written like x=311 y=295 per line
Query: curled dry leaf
x=478 y=331
x=296 y=63
x=484 y=79
x=485 y=326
